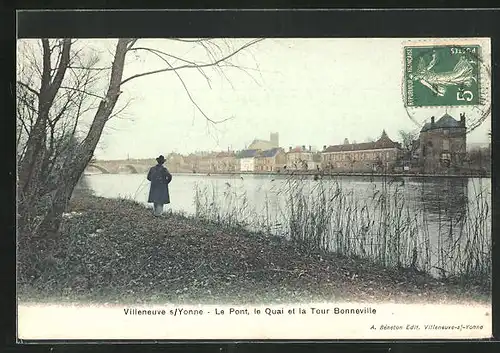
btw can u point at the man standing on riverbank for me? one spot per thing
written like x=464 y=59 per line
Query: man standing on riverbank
x=159 y=177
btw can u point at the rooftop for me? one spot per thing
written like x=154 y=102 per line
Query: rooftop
x=269 y=153
x=383 y=142
x=446 y=121
x=247 y=153
x=225 y=154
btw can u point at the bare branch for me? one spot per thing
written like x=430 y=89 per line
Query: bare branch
x=35 y=92
x=26 y=129
x=188 y=93
x=210 y=54
x=196 y=105
x=190 y=40
x=159 y=53
x=89 y=68
x=126 y=105
x=83 y=91
x=46 y=63
x=244 y=70
x=170 y=68
x=166 y=54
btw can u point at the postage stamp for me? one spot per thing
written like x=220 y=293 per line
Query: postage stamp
x=446 y=76
x=442 y=75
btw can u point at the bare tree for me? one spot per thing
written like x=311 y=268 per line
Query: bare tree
x=55 y=90
x=479 y=159
x=409 y=144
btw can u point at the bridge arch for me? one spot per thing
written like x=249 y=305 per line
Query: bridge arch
x=98 y=167
x=131 y=168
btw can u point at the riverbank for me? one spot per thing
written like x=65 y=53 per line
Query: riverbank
x=323 y=174
x=320 y=175
x=114 y=250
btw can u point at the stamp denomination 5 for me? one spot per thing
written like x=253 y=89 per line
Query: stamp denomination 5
x=442 y=75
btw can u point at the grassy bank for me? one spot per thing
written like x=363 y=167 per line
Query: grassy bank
x=114 y=250
x=383 y=225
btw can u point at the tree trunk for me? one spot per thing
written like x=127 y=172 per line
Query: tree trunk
x=75 y=165
x=52 y=220
x=31 y=179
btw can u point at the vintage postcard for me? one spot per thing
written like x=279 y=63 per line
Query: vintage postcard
x=267 y=188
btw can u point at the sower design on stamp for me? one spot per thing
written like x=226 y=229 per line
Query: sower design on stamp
x=442 y=75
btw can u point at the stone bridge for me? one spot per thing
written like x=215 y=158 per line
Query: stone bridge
x=128 y=166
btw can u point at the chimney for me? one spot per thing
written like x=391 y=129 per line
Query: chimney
x=290 y=149
x=346 y=141
x=432 y=120
x=324 y=147
x=310 y=148
x=303 y=147
x=462 y=119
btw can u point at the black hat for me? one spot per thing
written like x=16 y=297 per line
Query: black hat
x=160 y=159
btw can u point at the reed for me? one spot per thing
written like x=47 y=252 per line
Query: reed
x=384 y=225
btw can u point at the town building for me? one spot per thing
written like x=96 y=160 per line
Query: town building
x=246 y=160
x=302 y=158
x=442 y=144
x=265 y=144
x=174 y=162
x=226 y=162
x=272 y=160
x=378 y=156
x=208 y=162
x=192 y=162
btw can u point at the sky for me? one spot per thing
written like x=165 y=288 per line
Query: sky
x=311 y=91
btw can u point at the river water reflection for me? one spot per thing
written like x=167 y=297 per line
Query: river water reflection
x=441 y=208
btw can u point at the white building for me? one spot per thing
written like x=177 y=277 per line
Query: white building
x=300 y=158
x=247 y=164
x=246 y=160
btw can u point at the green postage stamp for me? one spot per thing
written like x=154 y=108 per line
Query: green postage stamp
x=442 y=75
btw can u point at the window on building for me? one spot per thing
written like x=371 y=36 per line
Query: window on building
x=445 y=159
x=445 y=156
x=446 y=145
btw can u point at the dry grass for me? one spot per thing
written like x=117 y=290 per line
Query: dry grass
x=116 y=251
x=385 y=227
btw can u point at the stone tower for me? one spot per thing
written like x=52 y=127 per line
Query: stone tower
x=443 y=144
x=275 y=139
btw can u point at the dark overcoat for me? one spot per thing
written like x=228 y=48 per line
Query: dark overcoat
x=159 y=177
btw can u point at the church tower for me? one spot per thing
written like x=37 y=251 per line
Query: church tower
x=275 y=139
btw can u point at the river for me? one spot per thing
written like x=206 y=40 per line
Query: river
x=429 y=212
